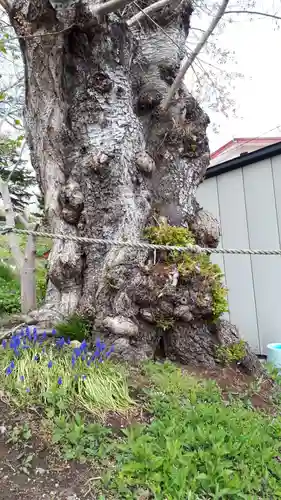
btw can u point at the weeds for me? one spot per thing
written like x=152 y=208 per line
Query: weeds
x=231 y=353
x=20 y=434
x=79 y=440
x=197 y=446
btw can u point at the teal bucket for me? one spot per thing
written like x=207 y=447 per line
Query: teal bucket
x=274 y=355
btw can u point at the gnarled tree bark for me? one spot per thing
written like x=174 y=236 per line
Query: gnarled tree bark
x=107 y=155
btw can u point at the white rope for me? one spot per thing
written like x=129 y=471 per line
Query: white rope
x=139 y=244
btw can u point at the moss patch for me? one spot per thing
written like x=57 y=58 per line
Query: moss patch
x=189 y=264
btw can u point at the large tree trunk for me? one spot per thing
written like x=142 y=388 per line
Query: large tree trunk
x=107 y=155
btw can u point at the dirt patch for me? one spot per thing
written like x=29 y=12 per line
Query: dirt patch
x=48 y=477
x=117 y=421
x=232 y=381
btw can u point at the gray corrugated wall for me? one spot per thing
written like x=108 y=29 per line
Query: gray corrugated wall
x=247 y=201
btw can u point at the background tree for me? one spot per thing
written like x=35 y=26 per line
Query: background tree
x=13 y=169
x=118 y=143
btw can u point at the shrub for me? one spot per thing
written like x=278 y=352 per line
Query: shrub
x=10 y=297
x=6 y=273
x=75 y=327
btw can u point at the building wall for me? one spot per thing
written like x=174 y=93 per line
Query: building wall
x=247 y=201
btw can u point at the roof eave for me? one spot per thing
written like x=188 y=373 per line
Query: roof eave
x=245 y=159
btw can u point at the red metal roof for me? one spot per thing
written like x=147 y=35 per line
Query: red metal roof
x=242 y=140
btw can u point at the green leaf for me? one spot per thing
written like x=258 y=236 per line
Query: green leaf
x=2 y=47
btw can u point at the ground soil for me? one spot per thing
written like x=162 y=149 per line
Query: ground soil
x=260 y=393
x=49 y=477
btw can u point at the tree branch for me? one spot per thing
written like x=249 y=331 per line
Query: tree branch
x=265 y=14
x=28 y=276
x=188 y=60
x=148 y=10
x=24 y=222
x=110 y=6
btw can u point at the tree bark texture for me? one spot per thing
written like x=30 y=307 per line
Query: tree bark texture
x=107 y=156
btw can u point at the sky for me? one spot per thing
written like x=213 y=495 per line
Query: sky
x=258 y=95
x=257 y=46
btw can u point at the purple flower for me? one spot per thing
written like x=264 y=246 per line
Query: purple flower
x=73 y=361
x=4 y=343
x=59 y=381
x=27 y=333
x=43 y=349
x=50 y=364
x=60 y=342
x=88 y=362
x=15 y=342
x=26 y=347
x=36 y=357
x=54 y=332
x=21 y=378
x=77 y=351
x=34 y=335
x=83 y=346
x=8 y=370
x=107 y=354
x=83 y=357
x=83 y=377
x=27 y=389
x=68 y=341
x=12 y=365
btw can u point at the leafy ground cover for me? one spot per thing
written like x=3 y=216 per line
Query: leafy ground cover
x=76 y=424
